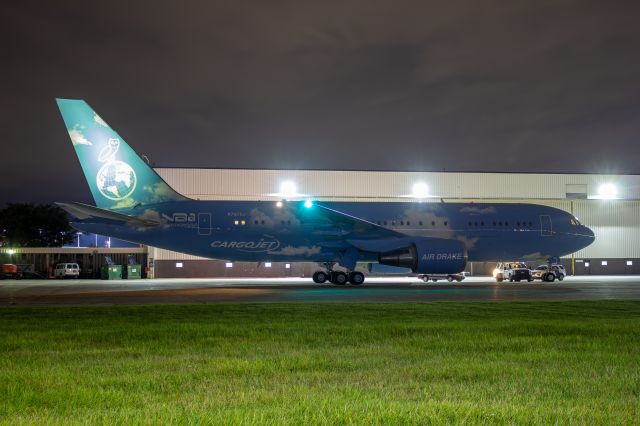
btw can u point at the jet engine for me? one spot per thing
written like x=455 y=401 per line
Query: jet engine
x=428 y=256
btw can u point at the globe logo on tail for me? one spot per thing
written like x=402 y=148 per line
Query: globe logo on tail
x=116 y=179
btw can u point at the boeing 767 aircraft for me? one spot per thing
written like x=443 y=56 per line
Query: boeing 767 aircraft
x=133 y=203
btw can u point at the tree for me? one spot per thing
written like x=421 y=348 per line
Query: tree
x=34 y=225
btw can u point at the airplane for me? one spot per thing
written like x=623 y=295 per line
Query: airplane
x=134 y=203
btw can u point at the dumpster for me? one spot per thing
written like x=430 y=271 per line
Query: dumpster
x=111 y=272
x=134 y=272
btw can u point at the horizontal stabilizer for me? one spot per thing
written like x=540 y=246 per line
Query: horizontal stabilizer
x=85 y=211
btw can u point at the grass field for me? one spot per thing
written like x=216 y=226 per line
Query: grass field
x=333 y=363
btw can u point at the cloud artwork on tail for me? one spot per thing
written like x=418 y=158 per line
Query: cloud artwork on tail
x=77 y=138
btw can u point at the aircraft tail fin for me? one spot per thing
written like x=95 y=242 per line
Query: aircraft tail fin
x=117 y=176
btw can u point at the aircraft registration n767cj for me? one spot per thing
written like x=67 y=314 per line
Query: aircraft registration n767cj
x=133 y=203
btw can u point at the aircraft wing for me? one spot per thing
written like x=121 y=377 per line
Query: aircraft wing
x=85 y=211
x=354 y=227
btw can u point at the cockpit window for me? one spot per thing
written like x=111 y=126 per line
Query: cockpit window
x=575 y=222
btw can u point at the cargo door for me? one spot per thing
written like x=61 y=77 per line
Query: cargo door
x=204 y=223
x=545 y=225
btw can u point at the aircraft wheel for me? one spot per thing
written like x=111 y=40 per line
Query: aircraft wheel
x=551 y=278
x=320 y=277
x=425 y=278
x=560 y=277
x=449 y=278
x=356 y=278
x=339 y=278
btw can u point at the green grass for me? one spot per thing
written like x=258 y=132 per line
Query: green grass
x=333 y=363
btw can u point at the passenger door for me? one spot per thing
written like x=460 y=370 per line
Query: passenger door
x=546 y=228
x=204 y=223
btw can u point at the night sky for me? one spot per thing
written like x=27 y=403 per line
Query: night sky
x=530 y=86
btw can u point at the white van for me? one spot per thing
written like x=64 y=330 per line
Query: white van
x=67 y=270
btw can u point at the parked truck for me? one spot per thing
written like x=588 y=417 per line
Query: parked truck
x=10 y=270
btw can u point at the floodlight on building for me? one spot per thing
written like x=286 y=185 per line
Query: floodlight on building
x=308 y=204
x=267 y=264
x=287 y=266
x=179 y=265
x=228 y=265
x=288 y=189
x=279 y=204
x=420 y=190
x=608 y=191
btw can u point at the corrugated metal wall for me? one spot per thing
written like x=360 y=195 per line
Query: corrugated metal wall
x=258 y=184
x=615 y=222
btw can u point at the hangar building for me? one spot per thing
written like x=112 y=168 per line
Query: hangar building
x=608 y=204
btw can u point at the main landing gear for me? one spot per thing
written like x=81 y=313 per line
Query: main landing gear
x=338 y=277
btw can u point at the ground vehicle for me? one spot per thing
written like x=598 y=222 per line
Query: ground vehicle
x=9 y=270
x=66 y=270
x=449 y=277
x=549 y=273
x=512 y=271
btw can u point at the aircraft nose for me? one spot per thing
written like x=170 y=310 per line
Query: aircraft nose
x=588 y=234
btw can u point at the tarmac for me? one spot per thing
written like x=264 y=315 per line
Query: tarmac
x=233 y=290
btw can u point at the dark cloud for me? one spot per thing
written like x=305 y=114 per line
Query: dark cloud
x=540 y=86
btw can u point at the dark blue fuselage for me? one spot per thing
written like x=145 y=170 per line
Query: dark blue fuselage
x=292 y=231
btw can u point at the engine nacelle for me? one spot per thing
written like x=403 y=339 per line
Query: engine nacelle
x=428 y=256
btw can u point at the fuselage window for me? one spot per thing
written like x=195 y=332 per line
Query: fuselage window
x=385 y=223
x=506 y=224
x=402 y=222
x=475 y=223
x=255 y=222
x=262 y=222
x=282 y=222
x=433 y=223
x=499 y=223
x=445 y=224
x=408 y=223
x=481 y=223
x=420 y=223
